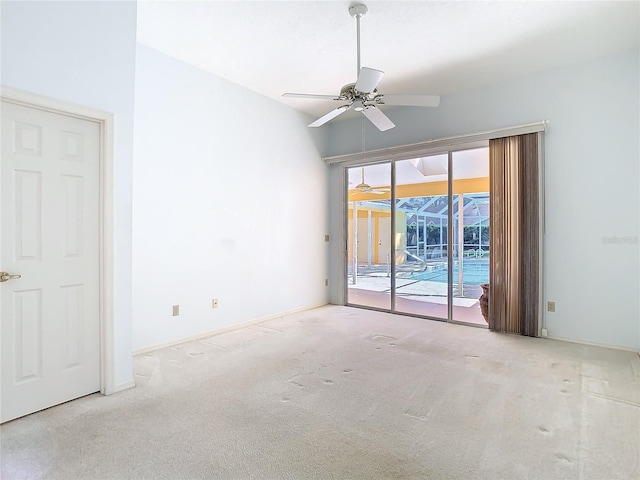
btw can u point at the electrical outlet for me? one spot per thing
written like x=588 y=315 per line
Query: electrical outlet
x=551 y=306
x=326 y=282
x=214 y=303
x=176 y=310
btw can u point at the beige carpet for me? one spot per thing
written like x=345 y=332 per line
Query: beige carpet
x=344 y=393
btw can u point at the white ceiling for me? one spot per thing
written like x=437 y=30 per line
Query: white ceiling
x=425 y=47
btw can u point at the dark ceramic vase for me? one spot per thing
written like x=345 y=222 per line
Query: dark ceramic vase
x=484 y=301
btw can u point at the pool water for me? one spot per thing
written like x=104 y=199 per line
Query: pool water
x=474 y=273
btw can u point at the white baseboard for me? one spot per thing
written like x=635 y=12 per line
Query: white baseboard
x=593 y=344
x=119 y=388
x=124 y=386
x=222 y=330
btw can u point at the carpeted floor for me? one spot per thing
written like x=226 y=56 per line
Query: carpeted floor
x=343 y=393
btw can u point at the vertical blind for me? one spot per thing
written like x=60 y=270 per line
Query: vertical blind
x=514 y=235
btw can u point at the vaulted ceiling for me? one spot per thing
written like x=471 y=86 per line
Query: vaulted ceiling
x=424 y=47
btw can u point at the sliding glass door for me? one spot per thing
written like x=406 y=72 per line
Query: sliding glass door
x=421 y=214
x=420 y=245
x=369 y=236
x=470 y=182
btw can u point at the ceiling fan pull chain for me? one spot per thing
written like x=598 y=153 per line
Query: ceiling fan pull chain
x=363 y=150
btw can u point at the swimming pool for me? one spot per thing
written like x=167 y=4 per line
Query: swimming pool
x=474 y=273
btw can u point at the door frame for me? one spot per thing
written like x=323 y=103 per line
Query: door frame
x=106 y=210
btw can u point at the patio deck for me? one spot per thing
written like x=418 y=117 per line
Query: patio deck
x=414 y=296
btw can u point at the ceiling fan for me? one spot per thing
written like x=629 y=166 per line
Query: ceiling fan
x=362 y=96
x=365 y=188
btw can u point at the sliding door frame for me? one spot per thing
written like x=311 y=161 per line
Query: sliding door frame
x=392 y=232
x=450 y=238
x=362 y=162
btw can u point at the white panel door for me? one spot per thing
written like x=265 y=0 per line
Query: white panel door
x=384 y=242
x=49 y=234
x=363 y=240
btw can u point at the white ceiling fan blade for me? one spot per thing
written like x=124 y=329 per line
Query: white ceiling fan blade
x=377 y=192
x=378 y=118
x=411 y=100
x=310 y=95
x=329 y=116
x=368 y=79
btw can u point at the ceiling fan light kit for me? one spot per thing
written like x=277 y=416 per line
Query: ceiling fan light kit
x=362 y=95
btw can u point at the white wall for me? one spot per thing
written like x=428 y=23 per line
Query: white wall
x=230 y=201
x=84 y=53
x=592 y=183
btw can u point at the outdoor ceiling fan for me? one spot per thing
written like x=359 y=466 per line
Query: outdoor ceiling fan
x=365 y=188
x=362 y=96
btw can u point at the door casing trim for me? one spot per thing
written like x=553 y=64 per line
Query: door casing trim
x=106 y=215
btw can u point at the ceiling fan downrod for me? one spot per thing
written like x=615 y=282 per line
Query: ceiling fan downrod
x=358 y=11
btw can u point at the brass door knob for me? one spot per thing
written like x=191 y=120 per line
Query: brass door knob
x=4 y=276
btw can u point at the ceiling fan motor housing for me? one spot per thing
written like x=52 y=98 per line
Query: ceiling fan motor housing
x=348 y=93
